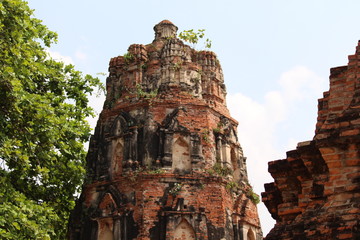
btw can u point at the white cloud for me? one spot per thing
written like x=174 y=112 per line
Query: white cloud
x=275 y=106
x=260 y=122
x=300 y=83
x=80 y=55
x=256 y=132
x=58 y=57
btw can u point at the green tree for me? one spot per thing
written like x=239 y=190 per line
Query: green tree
x=193 y=37
x=43 y=106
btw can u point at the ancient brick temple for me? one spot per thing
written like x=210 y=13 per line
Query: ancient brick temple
x=316 y=193
x=165 y=161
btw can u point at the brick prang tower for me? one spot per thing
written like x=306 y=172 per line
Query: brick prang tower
x=165 y=161
x=316 y=192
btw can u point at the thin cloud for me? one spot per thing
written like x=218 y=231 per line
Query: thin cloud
x=59 y=57
x=80 y=55
x=301 y=83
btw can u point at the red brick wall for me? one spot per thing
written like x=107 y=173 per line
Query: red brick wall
x=316 y=192
x=171 y=176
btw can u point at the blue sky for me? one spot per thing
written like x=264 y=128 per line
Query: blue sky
x=275 y=55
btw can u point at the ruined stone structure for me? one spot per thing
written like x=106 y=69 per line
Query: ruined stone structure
x=316 y=193
x=165 y=161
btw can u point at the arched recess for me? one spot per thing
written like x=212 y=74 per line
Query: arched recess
x=250 y=235
x=107 y=205
x=121 y=124
x=117 y=158
x=235 y=163
x=105 y=231
x=124 y=144
x=233 y=158
x=170 y=131
x=184 y=231
x=108 y=202
x=226 y=159
x=109 y=197
x=181 y=155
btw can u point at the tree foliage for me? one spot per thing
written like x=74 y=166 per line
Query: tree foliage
x=43 y=106
x=22 y=218
x=193 y=37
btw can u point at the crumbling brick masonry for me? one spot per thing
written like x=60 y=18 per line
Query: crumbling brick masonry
x=165 y=161
x=316 y=192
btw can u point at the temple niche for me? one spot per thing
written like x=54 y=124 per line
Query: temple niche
x=165 y=161
x=184 y=231
x=181 y=154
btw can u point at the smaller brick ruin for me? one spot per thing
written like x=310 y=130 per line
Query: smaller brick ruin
x=165 y=161
x=316 y=192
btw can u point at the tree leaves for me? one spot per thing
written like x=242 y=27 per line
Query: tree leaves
x=42 y=128
x=21 y=218
x=193 y=37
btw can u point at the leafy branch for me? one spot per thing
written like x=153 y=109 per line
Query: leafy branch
x=193 y=37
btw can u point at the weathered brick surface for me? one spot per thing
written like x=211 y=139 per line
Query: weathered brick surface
x=165 y=162
x=316 y=192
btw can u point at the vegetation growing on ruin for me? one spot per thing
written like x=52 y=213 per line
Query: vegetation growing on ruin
x=193 y=37
x=155 y=171
x=175 y=189
x=233 y=186
x=128 y=57
x=219 y=170
x=255 y=198
x=222 y=171
x=143 y=94
x=205 y=134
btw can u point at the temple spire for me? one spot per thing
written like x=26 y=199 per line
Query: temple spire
x=165 y=29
